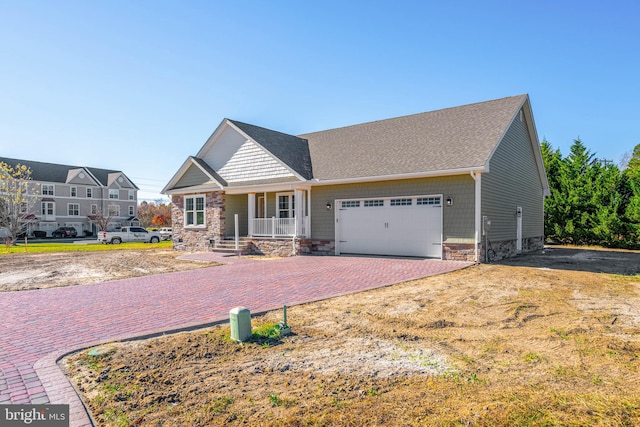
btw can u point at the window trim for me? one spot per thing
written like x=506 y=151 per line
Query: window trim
x=114 y=192
x=132 y=211
x=194 y=211
x=116 y=210
x=77 y=211
x=47 y=186
x=89 y=193
x=292 y=204
x=73 y=191
x=47 y=204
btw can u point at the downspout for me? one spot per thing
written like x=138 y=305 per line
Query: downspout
x=478 y=212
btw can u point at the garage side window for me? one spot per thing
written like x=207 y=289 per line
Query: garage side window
x=351 y=204
x=433 y=201
x=400 y=202
x=194 y=211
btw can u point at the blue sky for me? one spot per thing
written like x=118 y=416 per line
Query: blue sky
x=140 y=85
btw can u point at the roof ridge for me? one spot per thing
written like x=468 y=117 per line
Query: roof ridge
x=415 y=114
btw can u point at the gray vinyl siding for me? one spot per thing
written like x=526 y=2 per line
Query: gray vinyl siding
x=193 y=176
x=236 y=204
x=458 y=220
x=513 y=181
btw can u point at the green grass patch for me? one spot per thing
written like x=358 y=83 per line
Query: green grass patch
x=21 y=248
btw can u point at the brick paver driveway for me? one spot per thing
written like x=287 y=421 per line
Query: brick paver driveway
x=38 y=327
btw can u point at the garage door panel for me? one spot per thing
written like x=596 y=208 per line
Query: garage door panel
x=403 y=230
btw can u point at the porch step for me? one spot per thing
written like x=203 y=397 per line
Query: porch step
x=229 y=246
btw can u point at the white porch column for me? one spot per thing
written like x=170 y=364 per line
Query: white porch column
x=299 y=210
x=251 y=212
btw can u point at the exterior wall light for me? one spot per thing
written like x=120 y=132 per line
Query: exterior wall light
x=449 y=201
x=328 y=206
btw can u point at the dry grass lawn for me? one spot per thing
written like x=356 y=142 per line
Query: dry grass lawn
x=490 y=345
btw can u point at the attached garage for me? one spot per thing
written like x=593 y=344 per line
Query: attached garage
x=398 y=226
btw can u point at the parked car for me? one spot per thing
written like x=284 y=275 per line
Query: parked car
x=128 y=234
x=165 y=233
x=65 y=232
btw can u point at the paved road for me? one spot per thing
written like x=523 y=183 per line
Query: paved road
x=39 y=327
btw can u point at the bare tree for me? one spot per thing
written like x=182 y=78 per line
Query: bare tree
x=102 y=220
x=18 y=197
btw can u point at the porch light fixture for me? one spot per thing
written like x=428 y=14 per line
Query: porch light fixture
x=328 y=206
x=449 y=201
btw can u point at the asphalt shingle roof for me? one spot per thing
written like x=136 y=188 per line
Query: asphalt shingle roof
x=291 y=150
x=452 y=138
x=52 y=172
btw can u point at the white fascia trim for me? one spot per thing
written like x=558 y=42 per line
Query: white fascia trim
x=203 y=188
x=313 y=183
x=276 y=158
x=204 y=171
x=212 y=138
x=525 y=106
x=269 y=188
x=430 y=174
x=185 y=166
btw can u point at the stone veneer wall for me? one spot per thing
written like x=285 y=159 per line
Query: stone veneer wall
x=459 y=251
x=198 y=239
x=279 y=247
x=507 y=248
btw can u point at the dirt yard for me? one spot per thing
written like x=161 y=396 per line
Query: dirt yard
x=19 y=272
x=492 y=345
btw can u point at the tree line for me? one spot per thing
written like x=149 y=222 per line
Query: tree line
x=592 y=201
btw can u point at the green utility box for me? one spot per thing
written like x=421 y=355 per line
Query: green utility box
x=240 y=321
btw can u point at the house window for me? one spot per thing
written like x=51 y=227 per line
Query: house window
x=73 y=209
x=114 y=210
x=47 y=208
x=434 y=201
x=351 y=204
x=89 y=193
x=400 y=202
x=47 y=189
x=131 y=195
x=373 y=203
x=94 y=209
x=114 y=193
x=131 y=211
x=194 y=211
x=286 y=205
x=74 y=191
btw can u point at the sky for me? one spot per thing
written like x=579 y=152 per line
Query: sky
x=139 y=86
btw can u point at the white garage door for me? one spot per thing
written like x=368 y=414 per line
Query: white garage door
x=402 y=226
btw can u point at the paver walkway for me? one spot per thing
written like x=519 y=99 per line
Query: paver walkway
x=39 y=327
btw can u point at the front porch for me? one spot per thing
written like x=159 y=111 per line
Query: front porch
x=275 y=222
x=279 y=214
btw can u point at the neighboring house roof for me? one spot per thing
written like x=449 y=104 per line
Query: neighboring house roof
x=443 y=140
x=291 y=150
x=52 y=172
